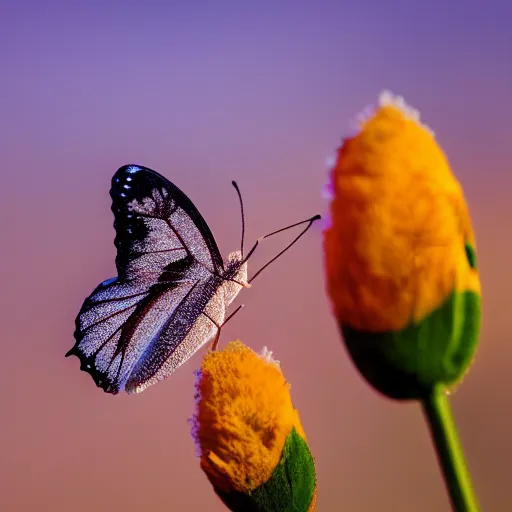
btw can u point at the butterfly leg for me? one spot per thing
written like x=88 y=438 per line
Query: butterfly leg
x=213 y=348
x=219 y=327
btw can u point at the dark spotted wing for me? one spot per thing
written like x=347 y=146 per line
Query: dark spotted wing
x=156 y=223
x=164 y=251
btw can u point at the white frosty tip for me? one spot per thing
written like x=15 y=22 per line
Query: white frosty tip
x=387 y=98
x=267 y=355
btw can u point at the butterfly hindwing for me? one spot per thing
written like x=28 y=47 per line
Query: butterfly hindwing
x=191 y=324
x=165 y=254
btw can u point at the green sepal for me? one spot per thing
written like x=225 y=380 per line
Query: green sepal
x=470 y=255
x=407 y=364
x=289 y=489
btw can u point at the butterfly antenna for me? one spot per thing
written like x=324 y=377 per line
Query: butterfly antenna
x=243 y=218
x=308 y=221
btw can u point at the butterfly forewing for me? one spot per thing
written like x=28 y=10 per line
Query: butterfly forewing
x=168 y=264
x=156 y=224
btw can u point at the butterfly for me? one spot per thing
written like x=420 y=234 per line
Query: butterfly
x=172 y=290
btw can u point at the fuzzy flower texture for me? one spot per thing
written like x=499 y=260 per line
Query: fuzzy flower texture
x=400 y=255
x=252 y=445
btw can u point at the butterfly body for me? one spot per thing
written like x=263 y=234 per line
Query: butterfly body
x=171 y=294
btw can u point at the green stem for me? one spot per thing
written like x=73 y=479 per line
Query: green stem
x=442 y=426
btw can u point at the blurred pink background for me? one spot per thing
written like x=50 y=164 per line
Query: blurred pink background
x=206 y=92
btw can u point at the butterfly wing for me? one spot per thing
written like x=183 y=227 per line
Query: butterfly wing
x=165 y=250
x=193 y=322
x=153 y=219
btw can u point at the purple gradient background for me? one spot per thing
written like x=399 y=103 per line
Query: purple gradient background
x=206 y=92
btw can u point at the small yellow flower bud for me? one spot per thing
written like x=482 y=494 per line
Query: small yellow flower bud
x=252 y=445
